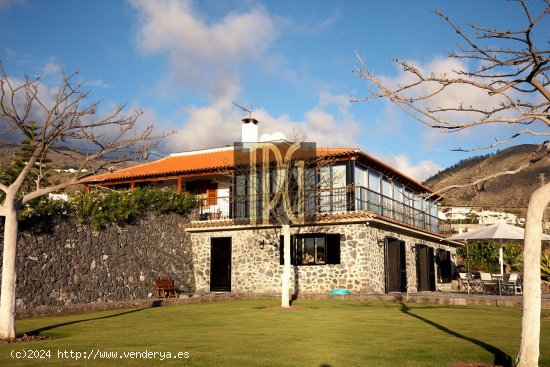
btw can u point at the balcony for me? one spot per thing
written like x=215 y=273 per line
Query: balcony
x=353 y=198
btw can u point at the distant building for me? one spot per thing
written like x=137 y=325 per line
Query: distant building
x=470 y=217
x=489 y=217
x=70 y=170
x=63 y=197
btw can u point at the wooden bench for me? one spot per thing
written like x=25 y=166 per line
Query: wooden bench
x=164 y=288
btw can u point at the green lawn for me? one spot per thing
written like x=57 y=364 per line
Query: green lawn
x=246 y=333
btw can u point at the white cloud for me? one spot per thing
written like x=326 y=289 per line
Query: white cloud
x=419 y=171
x=51 y=68
x=4 y=4
x=202 y=54
x=99 y=83
x=11 y=54
x=453 y=96
x=37 y=112
x=219 y=124
x=205 y=127
x=311 y=23
x=47 y=93
x=318 y=125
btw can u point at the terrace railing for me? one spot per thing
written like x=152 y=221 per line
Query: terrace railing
x=365 y=199
x=328 y=201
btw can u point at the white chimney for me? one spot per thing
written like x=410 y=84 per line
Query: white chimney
x=249 y=130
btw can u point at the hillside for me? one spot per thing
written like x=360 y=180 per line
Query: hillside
x=505 y=192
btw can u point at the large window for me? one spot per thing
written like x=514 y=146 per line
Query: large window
x=387 y=198
x=398 y=203
x=361 y=198
x=313 y=249
x=419 y=212
x=374 y=181
x=240 y=201
x=374 y=193
x=433 y=216
x=408 y=209
x=332 y=181
x=360 y=176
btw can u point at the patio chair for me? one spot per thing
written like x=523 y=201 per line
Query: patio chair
x=465 y=282
x=488 y=283
x=471 y=285
x=513 y=286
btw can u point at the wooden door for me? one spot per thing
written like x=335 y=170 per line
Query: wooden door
x=425 y=268
x=220 y=264
x=396 y=265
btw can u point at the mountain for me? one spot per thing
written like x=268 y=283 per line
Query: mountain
x=509 y=192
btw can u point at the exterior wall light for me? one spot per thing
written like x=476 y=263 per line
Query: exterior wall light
x=381 y=242
x=261 y=244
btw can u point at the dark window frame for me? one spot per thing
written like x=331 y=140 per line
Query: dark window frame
x=330 y=245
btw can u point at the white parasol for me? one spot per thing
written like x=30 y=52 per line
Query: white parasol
x=501 y=232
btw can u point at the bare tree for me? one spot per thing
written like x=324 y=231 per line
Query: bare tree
x=511 y=72
x=63 y=121
x=286 y=184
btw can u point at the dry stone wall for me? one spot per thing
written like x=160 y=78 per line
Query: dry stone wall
x=75 y=264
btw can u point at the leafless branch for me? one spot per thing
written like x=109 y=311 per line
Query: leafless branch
x=515 y=76
x=66 y=122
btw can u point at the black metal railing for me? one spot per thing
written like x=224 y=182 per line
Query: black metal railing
x=326 y=201
x=365 y=199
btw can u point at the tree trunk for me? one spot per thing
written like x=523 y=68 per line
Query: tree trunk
x=285 y=289
x=7 y=297
x=530 y=325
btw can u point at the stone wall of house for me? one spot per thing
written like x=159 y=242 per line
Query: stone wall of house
x=76 y=264
x=255 y=270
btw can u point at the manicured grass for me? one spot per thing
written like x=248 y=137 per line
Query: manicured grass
x=247 y=333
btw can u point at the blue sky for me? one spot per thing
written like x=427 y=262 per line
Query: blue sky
x=184 y=62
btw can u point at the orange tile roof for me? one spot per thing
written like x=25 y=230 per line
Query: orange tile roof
x=209 y=160
x=219 y=159
x=172 y=165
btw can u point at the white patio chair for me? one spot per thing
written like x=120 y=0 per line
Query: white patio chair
x=514 y=285
x=465 y=282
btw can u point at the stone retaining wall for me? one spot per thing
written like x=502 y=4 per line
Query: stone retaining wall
x=75 y=264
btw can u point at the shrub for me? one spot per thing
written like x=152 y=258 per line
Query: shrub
x=482 y=256
x=37 y=215
x=103 y=207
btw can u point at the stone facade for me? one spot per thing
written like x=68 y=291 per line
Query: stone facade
x=75 y=264
x=255 y=270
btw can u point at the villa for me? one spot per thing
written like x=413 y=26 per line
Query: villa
x=364 y=226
